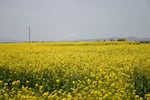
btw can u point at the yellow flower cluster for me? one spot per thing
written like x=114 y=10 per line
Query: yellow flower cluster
x=75 y=71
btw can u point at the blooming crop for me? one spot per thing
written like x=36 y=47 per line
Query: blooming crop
x=75 y=70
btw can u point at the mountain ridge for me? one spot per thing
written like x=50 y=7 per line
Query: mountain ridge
x=132 y=38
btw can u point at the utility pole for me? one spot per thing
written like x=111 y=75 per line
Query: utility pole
x=29 y=35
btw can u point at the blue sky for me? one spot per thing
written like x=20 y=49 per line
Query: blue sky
x=58 y=20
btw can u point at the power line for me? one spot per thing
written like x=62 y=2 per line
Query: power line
x=29 y=34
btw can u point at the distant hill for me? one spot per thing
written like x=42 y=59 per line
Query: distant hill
x=96 y=39
x=8 y=40
x=127 y=38
x=116 y=38
x=137 y=39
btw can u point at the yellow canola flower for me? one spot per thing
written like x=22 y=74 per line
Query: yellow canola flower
x=73 y=82
x=1 y=83
x=57 y=81
x=88 y=81
x=73 y=70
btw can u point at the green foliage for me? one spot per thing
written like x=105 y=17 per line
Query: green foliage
x=121 y=39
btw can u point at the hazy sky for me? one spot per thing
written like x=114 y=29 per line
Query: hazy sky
x=57 y=20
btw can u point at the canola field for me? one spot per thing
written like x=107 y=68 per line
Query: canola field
x=75 y=71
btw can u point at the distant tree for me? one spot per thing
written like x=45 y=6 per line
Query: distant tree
x=145 y=41
x=112 y=40
x=121 y=39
